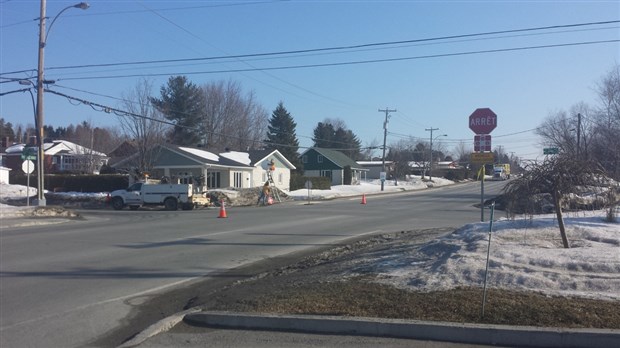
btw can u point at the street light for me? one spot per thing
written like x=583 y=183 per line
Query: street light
x=430 y=172
x=39 y=109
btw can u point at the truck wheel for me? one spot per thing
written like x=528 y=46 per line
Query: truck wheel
x=117 y=203
x=187 y=206
x=171 y=204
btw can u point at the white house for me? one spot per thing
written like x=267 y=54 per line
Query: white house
x=227 y=169
x=60 y=156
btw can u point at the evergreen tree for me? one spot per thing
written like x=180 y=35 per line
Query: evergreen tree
x=183 y=103
x=326 y=135
x=6 y=130
x=323 y=135
x=281 y=135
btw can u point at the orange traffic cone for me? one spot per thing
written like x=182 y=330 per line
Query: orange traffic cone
x=363 y=199
x=222 y=211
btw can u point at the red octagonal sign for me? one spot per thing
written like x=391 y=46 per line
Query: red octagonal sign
x=483 y=121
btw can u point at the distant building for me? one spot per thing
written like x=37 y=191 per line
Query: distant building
x=331 y=164
x=375 y=168
x=60 y=156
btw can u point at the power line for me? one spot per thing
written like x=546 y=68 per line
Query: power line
x=386 y=60
x=163 y=9
x=123 y=113
x=333 y=48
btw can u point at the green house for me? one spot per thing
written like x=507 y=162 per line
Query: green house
x=331 y=164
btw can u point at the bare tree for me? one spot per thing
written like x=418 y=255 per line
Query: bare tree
x=558 y=176
x=606 y=143
x=230 y=119
x=369 y=150
x=462 y=152
x=147 y=129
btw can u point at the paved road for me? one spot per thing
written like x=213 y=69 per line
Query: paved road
x=64 y=285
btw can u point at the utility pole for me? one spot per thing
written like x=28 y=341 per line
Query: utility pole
x=385 y=123
x=430 y=163
x=39 y=120
x=578 y=133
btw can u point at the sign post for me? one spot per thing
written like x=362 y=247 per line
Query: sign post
x=482 y=122
x=28 y=168
x=308 y=185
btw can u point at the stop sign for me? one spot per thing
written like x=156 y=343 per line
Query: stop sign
x=483 y=121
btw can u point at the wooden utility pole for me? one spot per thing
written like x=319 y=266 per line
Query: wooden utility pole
x=385 y=123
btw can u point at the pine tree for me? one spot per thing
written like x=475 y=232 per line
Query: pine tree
x=183 y=103
x=326 y=135
x=281 y=135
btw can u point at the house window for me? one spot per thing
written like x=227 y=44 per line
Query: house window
x=326 y=173
x=213 y=179
x=237 y=177
x=304 y=159
x=319 y=159
x=280 y=178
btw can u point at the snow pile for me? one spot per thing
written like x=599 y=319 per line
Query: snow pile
x=368 y=187
x=525 y=255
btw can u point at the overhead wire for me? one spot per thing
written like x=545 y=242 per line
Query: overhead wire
x=334 y=48
x=322 y=65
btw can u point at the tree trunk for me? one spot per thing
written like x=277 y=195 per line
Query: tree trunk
x=558 y=212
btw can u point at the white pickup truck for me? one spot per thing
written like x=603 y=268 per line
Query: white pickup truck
x=171 y=196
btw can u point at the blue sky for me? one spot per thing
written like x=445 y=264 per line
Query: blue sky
x=430 y=84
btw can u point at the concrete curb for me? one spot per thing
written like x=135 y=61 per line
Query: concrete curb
x=398 y=328
x=157 y=328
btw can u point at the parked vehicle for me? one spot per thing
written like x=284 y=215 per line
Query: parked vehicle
x=171 y=196
x=501 y=171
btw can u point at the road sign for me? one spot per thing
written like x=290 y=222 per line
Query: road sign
x=28 y=166
x=551 y=151
x=482 y=142
x=482 y=157
x=482 y=121
x=29 y=153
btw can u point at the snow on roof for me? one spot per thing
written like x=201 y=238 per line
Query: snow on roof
x=17 y=148
x=241 y=157
x=58 y=146
x=372 y=163
x=201 y=153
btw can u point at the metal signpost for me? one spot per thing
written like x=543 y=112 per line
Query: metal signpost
x=482 y=122
x=28 y=168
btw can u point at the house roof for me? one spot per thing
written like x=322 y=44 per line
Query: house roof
x=337 y=157
x=206 y=157
x=372 y=163
x=58 y=147
x=257 y=156
x=229 y=159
